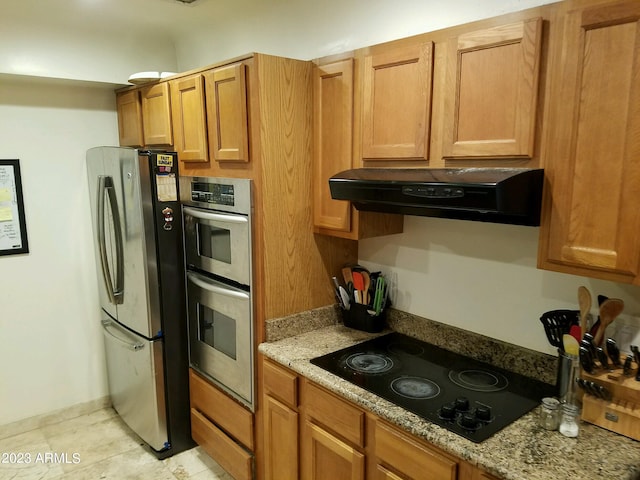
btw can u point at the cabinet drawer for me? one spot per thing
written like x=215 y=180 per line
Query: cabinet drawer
x=410 y=458
x=233 y=458
x=280 y=384
x=335 y=414
x=221 y=409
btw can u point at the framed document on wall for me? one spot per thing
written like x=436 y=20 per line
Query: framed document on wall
x=13 y=228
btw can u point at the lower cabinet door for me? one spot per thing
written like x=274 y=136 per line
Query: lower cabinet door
x=281 y=441
x=410 y=458
x=324 y=457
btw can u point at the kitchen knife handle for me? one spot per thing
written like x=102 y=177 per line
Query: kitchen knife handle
x=602 y=357
x=613 y=351
x=586 y=360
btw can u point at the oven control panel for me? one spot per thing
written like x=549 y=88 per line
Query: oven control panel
x=215 y=193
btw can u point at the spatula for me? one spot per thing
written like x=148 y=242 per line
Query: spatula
x=358 y=284
x=571 y=345
x=609 y=310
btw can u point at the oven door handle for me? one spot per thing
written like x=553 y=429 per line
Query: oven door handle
x=200 y=282
x=219 y=217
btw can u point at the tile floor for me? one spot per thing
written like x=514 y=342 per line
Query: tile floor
x=96 y=446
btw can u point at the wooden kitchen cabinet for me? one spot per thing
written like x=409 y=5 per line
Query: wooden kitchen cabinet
x=129 y=118
x=396 y=451
x=333 y=140
x=333 y=128
x=396 y=103
x=590 y=211
x=325 y=457
x=491 y=91
x=189 y=118
x=222 y=427
x=156 y=114
x=226 y=100
x=332 y=441
x=280 y=404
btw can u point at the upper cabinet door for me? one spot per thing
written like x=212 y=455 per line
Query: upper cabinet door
x=333 y=140
x=396 y=106
x=227 y=113
x=189 y=118
x=593 y=161
x=129 y=119
x=156 y=114
x=491 y=91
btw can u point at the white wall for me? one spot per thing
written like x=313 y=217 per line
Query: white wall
x=307 y=29
x=43 y=42
x=482 y=277
x=51 y=353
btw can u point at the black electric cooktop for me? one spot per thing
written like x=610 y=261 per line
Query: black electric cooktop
x=468 y=397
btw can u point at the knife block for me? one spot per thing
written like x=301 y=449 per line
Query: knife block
x=621 y=414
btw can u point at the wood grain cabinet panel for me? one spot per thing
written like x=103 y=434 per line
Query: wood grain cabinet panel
x=333 y=140
x=280 y=383
x=341 y=417
x=591 y=220
x=280 y=441
x=410 y=458
x=156 y=114
x=129 y=118
x=233 y=458
x=396 y=91
x=221 y=409
x=325 y=457
x=226 y=93
x=491 y=91
x=189 y=118
x=333 y=147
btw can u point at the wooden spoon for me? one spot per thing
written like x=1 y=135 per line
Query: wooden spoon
x=367 y=284
x=609 y=310
x=347 y=275
x=584 y=300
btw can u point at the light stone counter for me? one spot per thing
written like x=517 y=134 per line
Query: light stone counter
x=521 y=451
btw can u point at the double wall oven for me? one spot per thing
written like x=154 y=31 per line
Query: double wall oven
x=217 y=232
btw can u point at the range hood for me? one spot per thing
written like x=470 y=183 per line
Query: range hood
x=499 y=195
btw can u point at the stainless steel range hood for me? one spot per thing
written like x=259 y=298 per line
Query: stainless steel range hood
x=499 y=195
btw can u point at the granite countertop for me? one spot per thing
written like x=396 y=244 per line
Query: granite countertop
x=521 y=451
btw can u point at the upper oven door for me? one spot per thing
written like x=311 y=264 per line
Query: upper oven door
x=218 y=243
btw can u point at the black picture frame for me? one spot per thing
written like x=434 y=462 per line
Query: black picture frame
x=13 y=225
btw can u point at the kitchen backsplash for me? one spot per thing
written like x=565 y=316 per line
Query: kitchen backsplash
x=511 y=357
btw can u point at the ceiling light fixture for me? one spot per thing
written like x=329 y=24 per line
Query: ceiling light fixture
x=185 y=1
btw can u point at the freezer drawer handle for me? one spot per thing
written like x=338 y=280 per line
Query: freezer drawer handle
x=216 y=289
x=135 y=346
x=219 y=217
x=115 y=293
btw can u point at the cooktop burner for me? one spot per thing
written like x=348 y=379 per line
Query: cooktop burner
x=466 y=396
x=370 y=363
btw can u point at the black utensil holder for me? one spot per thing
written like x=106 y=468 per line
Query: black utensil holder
x=358 y=317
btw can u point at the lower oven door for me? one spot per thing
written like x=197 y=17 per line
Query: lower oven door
x=221 y=334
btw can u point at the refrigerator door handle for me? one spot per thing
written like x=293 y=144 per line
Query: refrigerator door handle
x=214 y=288
x=128 y=343
x=218 y=217
x=115 y=293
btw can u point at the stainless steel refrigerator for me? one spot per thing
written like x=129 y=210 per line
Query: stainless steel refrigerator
x=140 y=264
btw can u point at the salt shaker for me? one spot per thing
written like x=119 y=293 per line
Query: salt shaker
x=569 y=424
x=549 y=416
